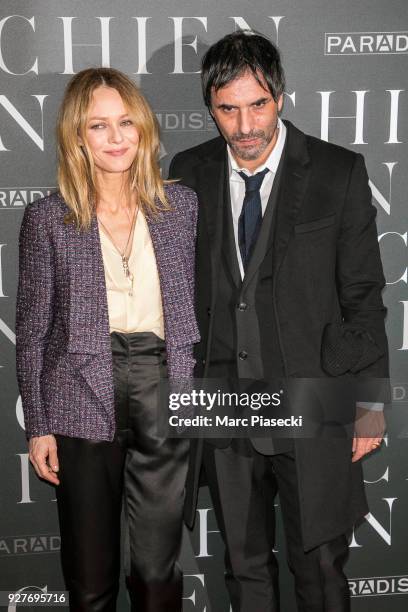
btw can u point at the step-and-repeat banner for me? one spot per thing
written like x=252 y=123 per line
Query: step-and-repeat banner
x=346 y=66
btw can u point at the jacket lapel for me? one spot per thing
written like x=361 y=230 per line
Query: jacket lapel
x=89 y=320
x=228 y=242
x=88 y=333
x=265 y=238
x=180 y=323
x=211 y=193
x=294 y=183
x=289 y=190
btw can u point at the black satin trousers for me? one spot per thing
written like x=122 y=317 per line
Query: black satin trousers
x=139 y=467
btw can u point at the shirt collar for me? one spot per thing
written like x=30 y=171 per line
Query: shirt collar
x=272 y=162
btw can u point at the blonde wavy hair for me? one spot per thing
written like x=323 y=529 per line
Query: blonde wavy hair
x=76 y=170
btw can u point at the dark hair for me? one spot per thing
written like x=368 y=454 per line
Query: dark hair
x=236 y=53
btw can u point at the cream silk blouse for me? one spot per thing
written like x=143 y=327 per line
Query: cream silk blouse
x=143 y=310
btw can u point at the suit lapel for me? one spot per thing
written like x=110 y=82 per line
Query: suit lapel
x=284 y=203
x=294 y=183
x=265 y=238
x=211 y=193
x=228 y=242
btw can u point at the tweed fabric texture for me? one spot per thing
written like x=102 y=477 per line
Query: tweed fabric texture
x=63 y=349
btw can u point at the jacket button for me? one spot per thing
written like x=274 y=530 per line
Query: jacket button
x=209 y=311
x=203 y=361
x=242 y=355
x=242 y=306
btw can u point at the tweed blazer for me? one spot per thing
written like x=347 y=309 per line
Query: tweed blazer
x=63 y=351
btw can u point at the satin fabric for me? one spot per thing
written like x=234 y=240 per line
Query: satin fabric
x=140 y=467
x=141 y=308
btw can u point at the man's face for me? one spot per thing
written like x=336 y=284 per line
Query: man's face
x=246 y=115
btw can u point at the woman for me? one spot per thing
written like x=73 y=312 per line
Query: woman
x=104 y=309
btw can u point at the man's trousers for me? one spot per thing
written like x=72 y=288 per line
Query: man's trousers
x=243 y=485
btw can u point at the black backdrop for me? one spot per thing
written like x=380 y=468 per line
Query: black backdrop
x=346 y=66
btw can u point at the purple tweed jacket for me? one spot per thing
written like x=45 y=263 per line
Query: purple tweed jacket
x=64 y=359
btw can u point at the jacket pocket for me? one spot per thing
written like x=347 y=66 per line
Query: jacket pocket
x=317 y=224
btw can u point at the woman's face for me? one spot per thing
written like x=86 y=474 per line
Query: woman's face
x=110 y=133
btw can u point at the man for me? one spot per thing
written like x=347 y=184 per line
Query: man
x=287 y=255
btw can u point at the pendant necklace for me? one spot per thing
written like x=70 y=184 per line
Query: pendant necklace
x=125 y=254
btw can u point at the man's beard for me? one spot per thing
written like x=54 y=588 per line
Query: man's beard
x=251 y=153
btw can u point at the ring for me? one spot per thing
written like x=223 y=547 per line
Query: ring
x=376 y=444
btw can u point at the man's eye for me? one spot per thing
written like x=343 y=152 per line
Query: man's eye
x=260 y=103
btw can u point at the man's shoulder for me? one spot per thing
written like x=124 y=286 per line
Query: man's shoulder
x=321 y=150
x=330 y=151
x=202 y=151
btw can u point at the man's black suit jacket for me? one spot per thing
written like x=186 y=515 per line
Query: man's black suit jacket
x=326 y=269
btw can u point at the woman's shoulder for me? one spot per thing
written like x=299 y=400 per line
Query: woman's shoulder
x=181 y=196
x=51 y=206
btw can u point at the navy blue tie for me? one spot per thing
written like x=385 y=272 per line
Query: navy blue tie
x=250 y=219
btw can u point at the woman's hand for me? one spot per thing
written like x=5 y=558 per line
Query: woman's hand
x=43 y=456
